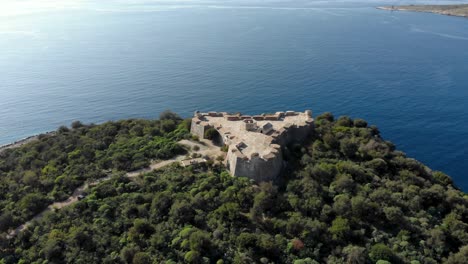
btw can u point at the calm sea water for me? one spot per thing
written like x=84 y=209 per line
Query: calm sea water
x=407 y=73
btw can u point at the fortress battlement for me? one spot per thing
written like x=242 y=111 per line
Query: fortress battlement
x=255 y=142
x=238 y=116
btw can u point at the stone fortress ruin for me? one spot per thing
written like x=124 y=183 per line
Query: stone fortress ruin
x=255 y=143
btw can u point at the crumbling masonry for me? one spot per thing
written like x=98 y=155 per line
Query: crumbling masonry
x=255 y=143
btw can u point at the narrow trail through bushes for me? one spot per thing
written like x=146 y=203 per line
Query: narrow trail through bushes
x=206 y=148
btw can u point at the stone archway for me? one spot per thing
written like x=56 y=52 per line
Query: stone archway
x=213 y=135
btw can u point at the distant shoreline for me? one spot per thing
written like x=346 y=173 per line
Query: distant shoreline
x=24 y=141
x=448 y=10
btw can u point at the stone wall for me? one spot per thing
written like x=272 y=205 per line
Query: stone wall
x=294 y=134
x=198 y=128
x=255 y=167
x=266 y=168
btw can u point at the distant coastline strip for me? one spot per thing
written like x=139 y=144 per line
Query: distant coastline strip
x=448 y=10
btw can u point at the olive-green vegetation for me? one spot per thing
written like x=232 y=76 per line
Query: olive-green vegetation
x=348 y=197
x=36 y=174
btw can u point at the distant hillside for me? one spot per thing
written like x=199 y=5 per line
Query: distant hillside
x=450 y=10
x=347 y=197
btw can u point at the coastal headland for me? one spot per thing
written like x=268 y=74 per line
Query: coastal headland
x=449 y=10
x=74 y=196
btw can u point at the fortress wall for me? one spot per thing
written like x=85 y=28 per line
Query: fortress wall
x=294 y=134
x=197 y=128
x=300 y=133
x=231 y=159
x=256 y=168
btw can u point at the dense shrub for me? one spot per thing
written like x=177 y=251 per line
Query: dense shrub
x=34 y=175
x=365 y=203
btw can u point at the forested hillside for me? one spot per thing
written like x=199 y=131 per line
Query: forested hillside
x=347 y=197
x=36 y=174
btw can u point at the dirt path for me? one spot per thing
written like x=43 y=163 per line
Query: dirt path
x=206 y=148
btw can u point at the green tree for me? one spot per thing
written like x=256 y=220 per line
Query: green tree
x=348 y=147
x=380 y=252
x=6 y=221
x=340 y=228
x=460 y=257
x=393 y=214
x=360 y=123
x=33 y=203
x=355 y=254
x=169 y=115
x=192 y=257
x=141 y=258
x=344 y=121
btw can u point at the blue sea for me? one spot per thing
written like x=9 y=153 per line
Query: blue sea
x=95 y=61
